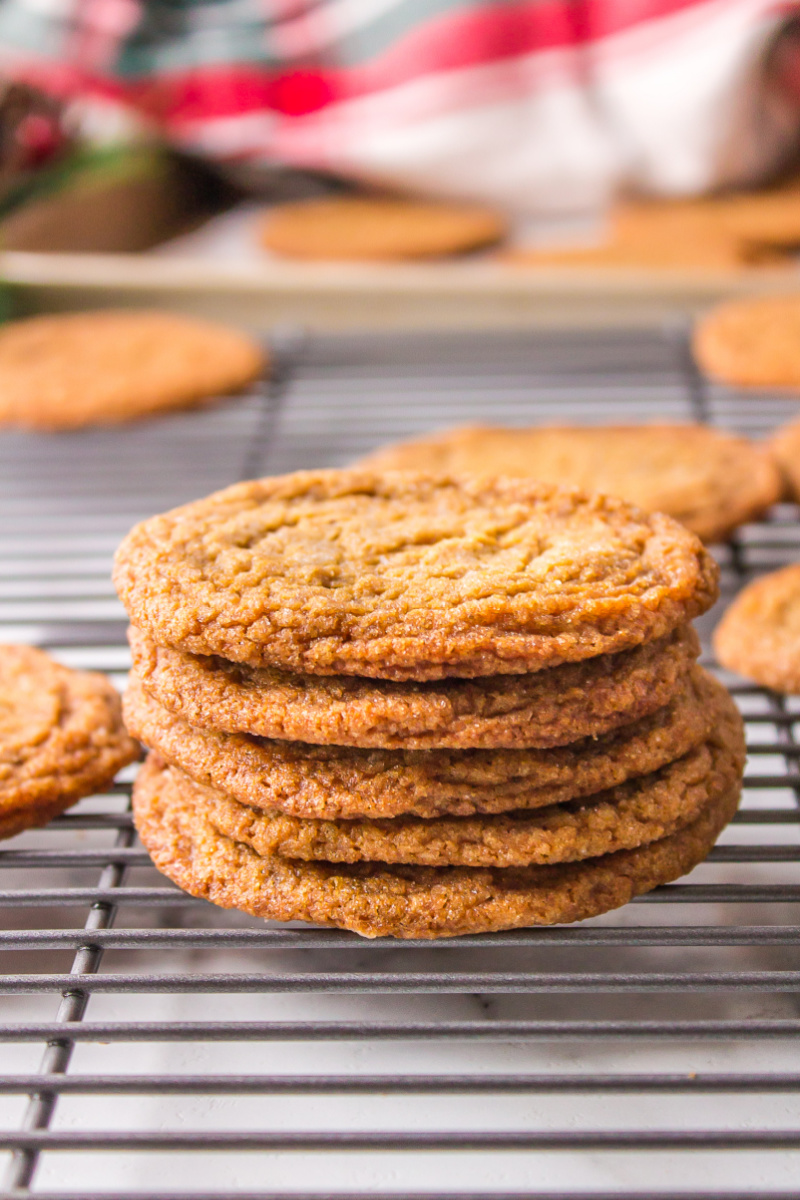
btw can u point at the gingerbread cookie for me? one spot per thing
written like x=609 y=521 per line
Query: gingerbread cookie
x=406 y=576
x=711 y=482
x=640 y=810
x=66 y=371
x=689 y=253
x=61 y=737
x=335 y=781
x=565 y=704
x=401 y=901
x=378 y=228
x=753 y=342
x=653 y=235
x=759 y=635
x=770 y=217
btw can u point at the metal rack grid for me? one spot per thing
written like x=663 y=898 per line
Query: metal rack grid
x=651 y=1052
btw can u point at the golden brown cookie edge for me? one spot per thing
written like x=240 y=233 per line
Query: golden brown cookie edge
x=427 y=784
x=406 y=902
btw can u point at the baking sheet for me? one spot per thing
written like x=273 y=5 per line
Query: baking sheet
x=219 y=270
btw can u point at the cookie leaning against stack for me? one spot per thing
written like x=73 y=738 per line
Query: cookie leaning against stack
x=423 y=706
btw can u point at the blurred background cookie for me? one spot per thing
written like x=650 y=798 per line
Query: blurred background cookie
x=103 y=367
x=653 y=235
x=784 y=446
x=378 y=227
x=752 y=342
x=709 y=480
x=759 y=635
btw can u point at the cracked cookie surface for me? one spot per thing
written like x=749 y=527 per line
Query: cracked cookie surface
x=405 y=576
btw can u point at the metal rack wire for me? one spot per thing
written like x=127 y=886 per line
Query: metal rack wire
x=649 y=1053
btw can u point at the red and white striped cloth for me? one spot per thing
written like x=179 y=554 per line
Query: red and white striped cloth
x=540 y=106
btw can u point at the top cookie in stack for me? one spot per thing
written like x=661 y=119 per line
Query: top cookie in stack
x=423 y=706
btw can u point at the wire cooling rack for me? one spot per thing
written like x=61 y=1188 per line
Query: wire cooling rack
x=153 y=1045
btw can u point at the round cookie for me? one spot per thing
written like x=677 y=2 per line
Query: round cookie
x=724 y=253
x=710 y=481
x=635 y=812
x=753 y=342
x=376 y=900
x=406 y=576
x=653 y=235
x=61 y=737
x=66 y=371
x=759 y=635
x=378 y=228
x=785 y=448
x=337 y=782
x=550 y=708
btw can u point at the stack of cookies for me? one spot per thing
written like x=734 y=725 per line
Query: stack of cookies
x=422 y=706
